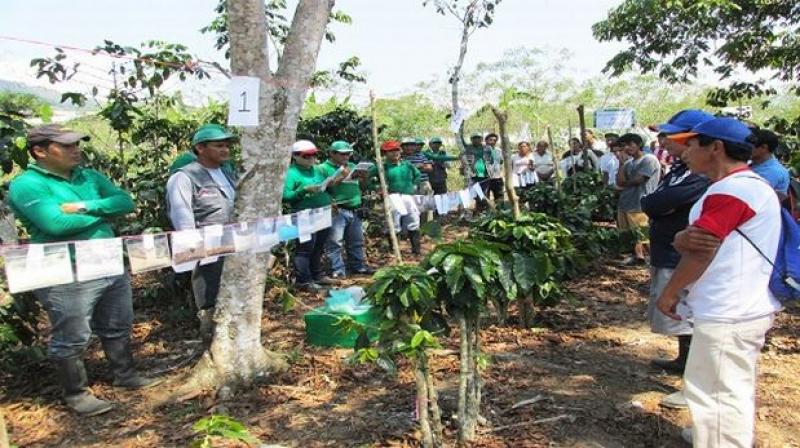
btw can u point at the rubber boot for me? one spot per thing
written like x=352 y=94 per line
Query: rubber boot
x=677 y=365
x=120 y=357
x=414 y=238
x=72 y=375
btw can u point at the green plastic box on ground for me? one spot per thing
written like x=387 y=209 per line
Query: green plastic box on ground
x=321 y=329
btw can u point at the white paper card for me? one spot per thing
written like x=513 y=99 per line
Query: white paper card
x=362 y=166
x=453 y=200
x=458 y=118
x=244 y=237
x=187 y=248
x=266 y=234
x=305 y=226
x=441 y=207
x=397 y=204
x=243 y=94
x=466 y=198
x=218 y=240
x=148 y=252
x=515 y=180
x=37 y=266
x=323 y=218
x=98 y=258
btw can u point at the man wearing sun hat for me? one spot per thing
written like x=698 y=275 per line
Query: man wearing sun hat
x=202 y=193
x=727 y=279
x=58 y=200
x=346 y=229
x=402 y=178
x=302 y=191
x=668 y=210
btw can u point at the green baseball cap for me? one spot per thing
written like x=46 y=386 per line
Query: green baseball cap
x=476 y=135
x=435 y=140
x=341 y=146
x=212 y=133
x=419 y=141
x=408 y=141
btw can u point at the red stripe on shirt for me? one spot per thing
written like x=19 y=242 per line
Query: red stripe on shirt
x=722 y=214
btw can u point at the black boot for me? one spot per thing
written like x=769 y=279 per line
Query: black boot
x=119 y=355
x=677 y=365
x=414 y=238
x=72 y=376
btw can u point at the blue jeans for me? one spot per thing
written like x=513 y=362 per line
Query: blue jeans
x=308 y=257
x=77 y=309
x=347 y=233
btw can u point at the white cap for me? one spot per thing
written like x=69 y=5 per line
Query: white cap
x=301 y=146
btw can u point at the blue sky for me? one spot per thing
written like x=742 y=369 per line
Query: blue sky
x=400 y=42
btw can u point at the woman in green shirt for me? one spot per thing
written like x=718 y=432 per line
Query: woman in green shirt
x=302 y=190
x=402 y=178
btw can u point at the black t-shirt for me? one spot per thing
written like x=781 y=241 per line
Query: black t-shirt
x=668 y=209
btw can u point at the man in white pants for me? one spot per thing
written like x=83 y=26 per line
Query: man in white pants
x=727 y=279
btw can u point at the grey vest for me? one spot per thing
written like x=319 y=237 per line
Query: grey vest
x=210 y=205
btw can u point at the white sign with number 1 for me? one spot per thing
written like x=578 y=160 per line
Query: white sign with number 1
x=243 y=101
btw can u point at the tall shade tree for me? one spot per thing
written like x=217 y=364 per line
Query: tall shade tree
x=236 y=355
x=473 y=15
x=674 y=39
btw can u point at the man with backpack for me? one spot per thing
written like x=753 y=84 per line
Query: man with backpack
x=668 y=209
x=734 y=231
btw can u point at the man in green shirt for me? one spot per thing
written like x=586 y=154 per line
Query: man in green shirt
x=302 y=191
x=58 y=200
x=346 y=229
x=402 y=179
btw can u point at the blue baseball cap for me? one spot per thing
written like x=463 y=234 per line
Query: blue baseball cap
x=684 y=121
x=725 y=129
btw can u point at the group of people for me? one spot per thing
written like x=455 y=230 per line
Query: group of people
x=711 y=200
x=712 y=211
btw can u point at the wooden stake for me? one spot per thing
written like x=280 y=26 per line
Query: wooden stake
x=387 y=207
x=4 y=442
x=556 y=157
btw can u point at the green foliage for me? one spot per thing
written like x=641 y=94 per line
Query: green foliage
x=16 y=110
x=342 y=123
x=220 y=426
x=675 y=38
x=471 y=272
x=411 y=116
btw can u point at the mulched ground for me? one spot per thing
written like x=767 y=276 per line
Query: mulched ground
x=584 y=373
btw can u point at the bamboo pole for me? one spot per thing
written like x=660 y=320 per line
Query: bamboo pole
x=387 y=207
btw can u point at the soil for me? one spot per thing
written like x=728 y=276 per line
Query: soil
x=581 y=379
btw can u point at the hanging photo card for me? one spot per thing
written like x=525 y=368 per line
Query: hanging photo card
x=98 y=258
x=453 y=200
x=515 y=180
x=305 y=228
x=37 y=266
x=441 y=205
x=218 y=240
x=187 y=248
x=397 y=204
x=148 y=252
x=266 y=234
x=244 y=236
x=322 y=218
x=287 y=228
x=477 y=191
x=243 y=98
x=466 y=198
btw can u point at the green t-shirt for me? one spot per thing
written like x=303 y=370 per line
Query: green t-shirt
x=347 y=193
x=478 y=153
x=401 y=177
x=36 y=197
x=297 y=179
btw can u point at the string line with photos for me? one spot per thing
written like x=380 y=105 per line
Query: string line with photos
x=40 y=265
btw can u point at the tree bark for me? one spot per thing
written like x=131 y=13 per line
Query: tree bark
x=463 y=380
x=462 y=53
x=508 y=168
x=236 y=355
x=526 y=311
x=422 y=402
x=433 y=403
x=8 y=225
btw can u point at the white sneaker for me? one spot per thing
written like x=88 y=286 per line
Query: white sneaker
x=686 y=435
x=674 y=401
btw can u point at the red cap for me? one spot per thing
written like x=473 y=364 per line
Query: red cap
x=391 y=145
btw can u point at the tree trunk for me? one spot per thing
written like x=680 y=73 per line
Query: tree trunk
x=434 y=410
x=422 y=402
x=474 y=391
x=526 y=311
x=462 y=53
x=508 y=169
x=463 y=381
x=8 y=225
x=236 y=355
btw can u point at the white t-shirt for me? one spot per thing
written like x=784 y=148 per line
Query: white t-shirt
x=543 y=163
x=521 y=164
x=610 y=164
x=734 y=287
